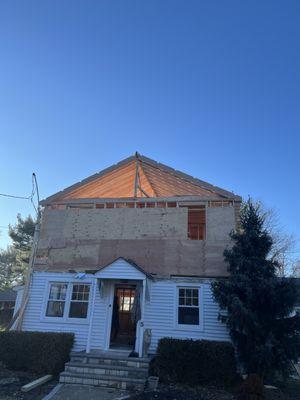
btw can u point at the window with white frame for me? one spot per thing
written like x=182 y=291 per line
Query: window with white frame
x=69 y=300
x=57 y=300
x=79 y=301
x=188 y=306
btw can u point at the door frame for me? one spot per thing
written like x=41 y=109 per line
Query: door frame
x=120 y=285
x=109 y=308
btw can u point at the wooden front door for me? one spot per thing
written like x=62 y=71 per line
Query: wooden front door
x=123 y=328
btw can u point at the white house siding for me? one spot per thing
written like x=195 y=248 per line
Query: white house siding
x=160 y=311
x=120 y=269
x=100 y=318
x=160 y=314
x=34 y=313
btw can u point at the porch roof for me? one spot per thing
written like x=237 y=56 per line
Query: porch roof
x=118 y=267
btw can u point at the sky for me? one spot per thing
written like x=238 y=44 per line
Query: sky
x=211 y=88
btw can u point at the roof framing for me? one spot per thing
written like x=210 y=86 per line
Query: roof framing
x=215 y=191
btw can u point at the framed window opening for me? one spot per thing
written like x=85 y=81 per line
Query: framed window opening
x=196 y=224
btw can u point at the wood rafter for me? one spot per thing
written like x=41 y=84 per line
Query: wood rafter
x=139 y=177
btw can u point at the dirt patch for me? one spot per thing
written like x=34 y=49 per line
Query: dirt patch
x=185 y=393
x=164 y=392
x=289 y=391
x=12 y=381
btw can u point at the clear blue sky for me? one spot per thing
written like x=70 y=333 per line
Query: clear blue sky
x=209 y=87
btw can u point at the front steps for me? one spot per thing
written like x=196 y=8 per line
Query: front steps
x=108 y=369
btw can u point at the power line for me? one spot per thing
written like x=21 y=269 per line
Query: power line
x=35 y=190
x=15 y=197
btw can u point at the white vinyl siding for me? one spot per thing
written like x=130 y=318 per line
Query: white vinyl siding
x=34 y=316
x=120 y=269
x=160 y=312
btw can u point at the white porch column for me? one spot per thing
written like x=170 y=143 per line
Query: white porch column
x=141 y=322
x=92 y=306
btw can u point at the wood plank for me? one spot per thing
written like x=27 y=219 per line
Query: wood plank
x=36 y=383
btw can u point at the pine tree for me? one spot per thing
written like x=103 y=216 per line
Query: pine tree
x=7 y=262
x=14 y=261
x=259 y=305
x=21 y=235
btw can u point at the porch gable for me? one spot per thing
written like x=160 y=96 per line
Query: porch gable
x=122 y=269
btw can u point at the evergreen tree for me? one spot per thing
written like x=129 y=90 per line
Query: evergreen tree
x=7 y=262
x=14 y=261
x=21 y=235
x=259 y=305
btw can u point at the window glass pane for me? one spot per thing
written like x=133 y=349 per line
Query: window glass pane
x=126 y=305
x=195 y=302
x=58 y=291
x=81 y=292
x=181 y=292
x=188 y=315
x=78 y=309
x=55 y=308
x=188 y=301
x=79 y=301
x=126 y=299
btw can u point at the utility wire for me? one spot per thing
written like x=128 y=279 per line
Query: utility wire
x=35 y=190
x=15 y=197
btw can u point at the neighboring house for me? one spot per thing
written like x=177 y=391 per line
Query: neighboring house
x=7 y=299
x=129 y=250
x=7 y=304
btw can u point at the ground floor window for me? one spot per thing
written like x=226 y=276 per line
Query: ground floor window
x=57 y=299
x=80 y=301
x=188 y=307
x=68 y=300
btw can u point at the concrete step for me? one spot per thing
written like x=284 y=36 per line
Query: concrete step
x=119 y=382
x=109 y=358
x=105 y=369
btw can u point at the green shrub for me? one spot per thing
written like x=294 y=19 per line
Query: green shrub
x=195 y=362
x=39 y=352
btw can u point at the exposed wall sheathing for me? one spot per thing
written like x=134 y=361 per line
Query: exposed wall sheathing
x=155 y=239
x=115 y=223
